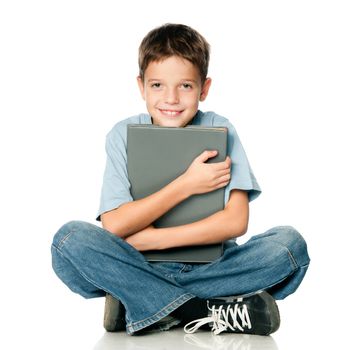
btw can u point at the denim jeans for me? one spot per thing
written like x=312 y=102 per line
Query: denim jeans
x=92 y=262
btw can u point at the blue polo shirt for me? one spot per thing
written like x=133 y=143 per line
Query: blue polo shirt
x=116 y=186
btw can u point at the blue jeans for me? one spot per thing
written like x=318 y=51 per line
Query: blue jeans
x=92 y=262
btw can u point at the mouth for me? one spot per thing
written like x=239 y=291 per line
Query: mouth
x=170 y=112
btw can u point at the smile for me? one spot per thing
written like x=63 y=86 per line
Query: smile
x=170 y=113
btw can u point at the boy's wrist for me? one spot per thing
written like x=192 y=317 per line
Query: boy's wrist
x=183 y=187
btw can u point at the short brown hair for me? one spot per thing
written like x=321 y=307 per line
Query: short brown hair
x=174 y=40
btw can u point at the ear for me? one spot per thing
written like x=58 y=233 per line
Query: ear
x=141 y=86
x=205 y=89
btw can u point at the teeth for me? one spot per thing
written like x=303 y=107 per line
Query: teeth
x=170 y=113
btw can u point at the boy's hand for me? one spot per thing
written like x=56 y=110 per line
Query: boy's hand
x=201 y=177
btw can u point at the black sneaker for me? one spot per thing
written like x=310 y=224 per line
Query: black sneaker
x=114 y=315
x=254 y=314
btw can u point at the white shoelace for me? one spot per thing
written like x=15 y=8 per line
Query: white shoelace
x=220 y=319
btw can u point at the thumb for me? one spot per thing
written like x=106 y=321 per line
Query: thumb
x=207 y=154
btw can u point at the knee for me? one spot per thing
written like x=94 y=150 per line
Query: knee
x=289 y=237
x=68 y=229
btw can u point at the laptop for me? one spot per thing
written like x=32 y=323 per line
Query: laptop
x=156 y=155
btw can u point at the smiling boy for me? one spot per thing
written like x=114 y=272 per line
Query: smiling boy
x=237 y=292
x=172 y=89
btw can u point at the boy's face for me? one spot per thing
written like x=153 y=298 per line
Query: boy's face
x=172 y=90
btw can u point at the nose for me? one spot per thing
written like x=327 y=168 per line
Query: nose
x=171 y=96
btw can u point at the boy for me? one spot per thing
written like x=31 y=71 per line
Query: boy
x=237 y=292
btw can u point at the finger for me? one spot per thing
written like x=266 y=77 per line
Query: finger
x=206 y=155
x=224 y=178
x=226 y=164
x=222 y=184
x=223 y=172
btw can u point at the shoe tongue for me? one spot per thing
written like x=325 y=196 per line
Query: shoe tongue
x=225 y=302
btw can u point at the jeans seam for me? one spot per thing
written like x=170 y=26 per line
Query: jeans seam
x=294 y=262
x=284 y=278
x=62 y=241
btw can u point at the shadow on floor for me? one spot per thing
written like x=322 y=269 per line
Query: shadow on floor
x=177 y=339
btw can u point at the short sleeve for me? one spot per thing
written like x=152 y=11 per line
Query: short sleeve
x=116 y=186
x=242 y=176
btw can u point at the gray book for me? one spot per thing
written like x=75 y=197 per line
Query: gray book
x=157 y=155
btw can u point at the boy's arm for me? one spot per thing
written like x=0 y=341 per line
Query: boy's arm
x=134 y=216
x=200 y=177
x=225 y=224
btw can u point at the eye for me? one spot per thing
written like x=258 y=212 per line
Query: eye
x=186 y=86
x=156 y=85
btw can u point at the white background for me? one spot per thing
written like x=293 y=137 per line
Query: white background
x=67 y=74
